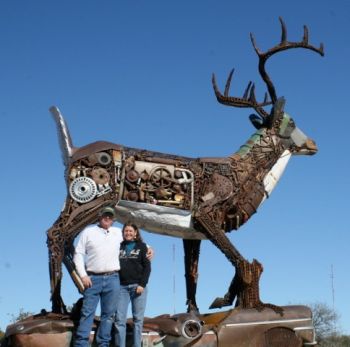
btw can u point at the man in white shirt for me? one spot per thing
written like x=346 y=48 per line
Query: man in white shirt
x=96 y=259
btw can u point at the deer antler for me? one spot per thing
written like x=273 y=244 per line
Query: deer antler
x=248 y=99
x=282 y=46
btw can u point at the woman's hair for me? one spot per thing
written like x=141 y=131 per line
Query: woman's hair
x=134 y=226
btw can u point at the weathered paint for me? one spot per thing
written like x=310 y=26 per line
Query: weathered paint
x=233 y=328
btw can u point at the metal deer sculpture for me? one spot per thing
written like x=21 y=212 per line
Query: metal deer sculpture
x=190 y=198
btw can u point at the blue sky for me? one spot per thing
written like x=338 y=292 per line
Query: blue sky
x=138 y=73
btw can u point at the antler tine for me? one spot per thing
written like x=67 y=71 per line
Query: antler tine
x=257 y=50
x=250 y=90
x=247 y=90
x=266 y=98
x=306 y=44
x=252 y=97
x=245 y=101
x=266 y=102
x=289 y=44
x=228 y=83
x=284 y=31
x=306 y=35
x=283 y=45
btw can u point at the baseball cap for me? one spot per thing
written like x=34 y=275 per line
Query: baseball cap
x=108 y=210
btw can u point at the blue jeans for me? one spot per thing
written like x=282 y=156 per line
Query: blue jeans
x=106 y=290
x=138 y=305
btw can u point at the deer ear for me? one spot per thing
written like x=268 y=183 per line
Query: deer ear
x=256 y=120
x=277 y=110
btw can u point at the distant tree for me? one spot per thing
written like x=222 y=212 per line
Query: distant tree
x=336 y=341
x=344 y=340
x=21 y=315
x=326 y=326
x=325 y=320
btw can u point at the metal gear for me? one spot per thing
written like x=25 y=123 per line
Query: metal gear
x=100 y=175
x=83 y=189
x=161 y=177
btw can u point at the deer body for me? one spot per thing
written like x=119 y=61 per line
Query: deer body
x=190 y=198
x=169 y=216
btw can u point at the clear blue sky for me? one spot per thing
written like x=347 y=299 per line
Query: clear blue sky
x=138 y=73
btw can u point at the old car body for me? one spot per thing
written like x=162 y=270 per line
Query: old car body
x=233 y=328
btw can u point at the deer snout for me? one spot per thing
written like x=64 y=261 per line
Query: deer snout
x=303 y=145
x=311 y=147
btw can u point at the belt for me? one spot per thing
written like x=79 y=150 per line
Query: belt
x=102 y=273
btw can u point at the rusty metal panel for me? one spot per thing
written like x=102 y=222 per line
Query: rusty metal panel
x=41 y=340
x=233 y=328
x=285 y=337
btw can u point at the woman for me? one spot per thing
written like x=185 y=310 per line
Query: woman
x=134 y=275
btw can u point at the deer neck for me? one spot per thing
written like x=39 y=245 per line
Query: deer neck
x=262 y=158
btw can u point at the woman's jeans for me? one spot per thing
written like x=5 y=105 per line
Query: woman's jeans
x=105 y=288
x=138 y=305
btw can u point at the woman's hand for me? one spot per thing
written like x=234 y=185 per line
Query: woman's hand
x=139 y=290
x=150 y=253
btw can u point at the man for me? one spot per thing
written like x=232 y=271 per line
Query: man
x=96 y=259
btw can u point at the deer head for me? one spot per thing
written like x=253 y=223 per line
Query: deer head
x=279 y=123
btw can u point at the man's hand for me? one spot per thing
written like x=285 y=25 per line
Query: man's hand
x=86 y=282
x=150 y=253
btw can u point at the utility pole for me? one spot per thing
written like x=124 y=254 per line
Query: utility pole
x=174 y=278
x=332 y=282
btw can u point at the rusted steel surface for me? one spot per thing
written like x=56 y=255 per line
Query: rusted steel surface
x=233 y=328
x=191 y=198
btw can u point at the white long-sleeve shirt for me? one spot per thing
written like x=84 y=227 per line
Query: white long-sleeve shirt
x=97 y=250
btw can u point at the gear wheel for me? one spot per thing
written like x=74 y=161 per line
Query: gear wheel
x=83 y=189
x=160 y=177
x=100 y=176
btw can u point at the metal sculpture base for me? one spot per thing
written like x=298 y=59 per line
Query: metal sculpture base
x=234 y=328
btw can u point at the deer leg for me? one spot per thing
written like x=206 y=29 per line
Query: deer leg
x=59 y=239
x=230 y=296
x=219 y=239
x=244 y=287
x=245 y=284
x=191 y=250
x=56 y=251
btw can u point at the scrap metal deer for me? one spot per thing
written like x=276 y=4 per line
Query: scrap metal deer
x=190 y=198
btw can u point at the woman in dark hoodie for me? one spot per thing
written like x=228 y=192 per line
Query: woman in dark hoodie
x=134 y=275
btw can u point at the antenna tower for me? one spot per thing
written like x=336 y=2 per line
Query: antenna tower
x=174 y=279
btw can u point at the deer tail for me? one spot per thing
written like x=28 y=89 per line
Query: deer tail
x=64 y=138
